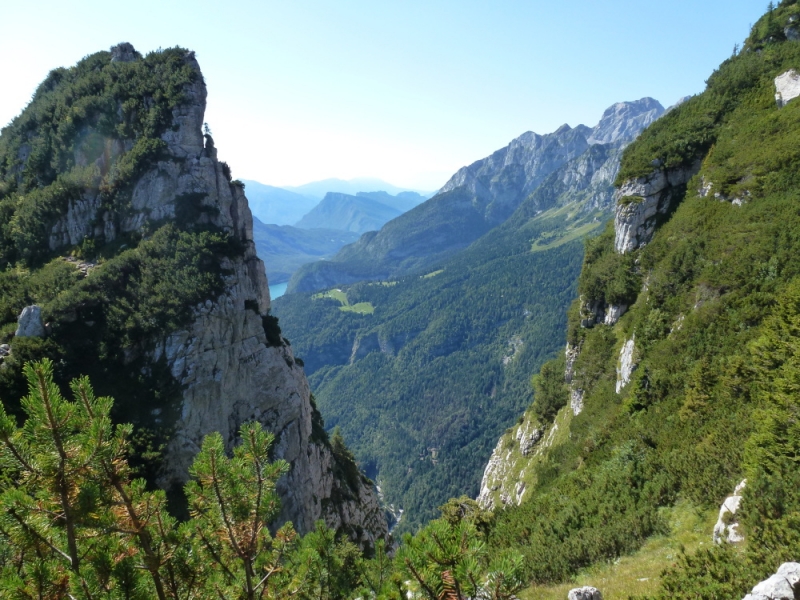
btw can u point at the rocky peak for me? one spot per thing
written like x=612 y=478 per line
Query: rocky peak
x=124 y=52
x=228 y=363
x=624 y=121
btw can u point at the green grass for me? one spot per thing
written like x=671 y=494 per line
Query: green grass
x=433 y=274
x=574 y=234
x=362 y=308
x=640 y=573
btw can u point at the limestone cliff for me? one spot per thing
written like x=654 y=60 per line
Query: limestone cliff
x=227 y=361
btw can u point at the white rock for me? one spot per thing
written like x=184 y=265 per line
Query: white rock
x=787 y=87
x=585 y=593
x=729 y=532
x=626 y=365
x=784 y=585
x=576 y=401
x=29 y=322
x=635 y=221
x=614 y=312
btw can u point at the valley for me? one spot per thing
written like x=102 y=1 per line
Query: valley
x=572 y=371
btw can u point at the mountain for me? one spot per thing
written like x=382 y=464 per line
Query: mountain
x=127 y=254
x=404 y=201
x=473 y=201
x=422 y=372
x=676 y=393
x=284 y=248
x=275 y=205
x=318 y=189
x=357 y=214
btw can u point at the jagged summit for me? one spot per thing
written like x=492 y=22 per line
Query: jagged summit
x=625 y=120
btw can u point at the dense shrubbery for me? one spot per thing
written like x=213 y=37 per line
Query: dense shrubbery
x=73 y=522
x=78 y=115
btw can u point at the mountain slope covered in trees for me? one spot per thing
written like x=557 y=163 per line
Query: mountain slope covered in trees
x=692 y=390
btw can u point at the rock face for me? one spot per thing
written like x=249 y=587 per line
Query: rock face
x=624 y=121
x=230 y=370
x=641 y=201
x=585 y=593
x=626 y=365
x=727 y=526
x=30 y=322
x=784 y=585
x=787 y=86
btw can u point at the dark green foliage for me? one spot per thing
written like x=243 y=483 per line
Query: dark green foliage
x=550 y=393
x=607 y=277
x=715 y=303
x=441 y=382
x=71 y=139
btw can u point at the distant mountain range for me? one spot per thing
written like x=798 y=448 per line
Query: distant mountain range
x=337 y=220
x=476 y=199
x=367 y=211
x=318 y=189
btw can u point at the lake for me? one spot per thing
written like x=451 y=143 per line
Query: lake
x=277 y=290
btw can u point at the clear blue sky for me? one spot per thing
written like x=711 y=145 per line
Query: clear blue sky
x=407 y=91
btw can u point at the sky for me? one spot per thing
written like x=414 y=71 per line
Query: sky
x=406 y=91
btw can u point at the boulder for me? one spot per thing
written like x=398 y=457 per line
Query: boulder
x=784 y=585
x=787 y=87
x=727 y=527
x=29 y=322
x=5 y=350
x=585 y=593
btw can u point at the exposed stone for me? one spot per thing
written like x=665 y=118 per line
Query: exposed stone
x=124 y=52
x=571 y=354
x=585 y=593
x=727 y=526
x=642 y=200
x=626 y=365
x=787 y=87
x=614 y=312
x=528 y=435
x=784 y=585
x=792 y=34
x=5 y=349
x=576 y=401
x=29 y=322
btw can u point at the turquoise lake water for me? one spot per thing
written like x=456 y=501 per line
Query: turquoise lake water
x=277 y=290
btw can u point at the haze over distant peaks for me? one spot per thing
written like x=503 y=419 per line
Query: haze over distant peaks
x=318 y=189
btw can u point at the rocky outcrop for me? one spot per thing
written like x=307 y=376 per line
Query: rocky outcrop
x=627 y=364
x=29 y=322
x=641 y=201
x=727 y=527
x=575 y=393
x=624 y=121
x=787 y=87
x=784 y=585
x=595 y=312
x=585 y=593
x=230 y=363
